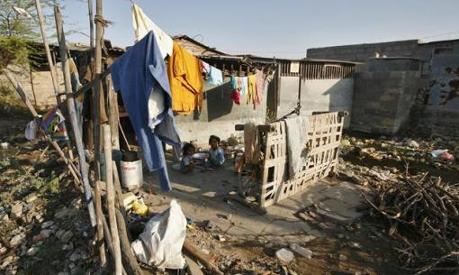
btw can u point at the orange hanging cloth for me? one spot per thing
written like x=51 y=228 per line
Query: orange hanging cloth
x=185 y=79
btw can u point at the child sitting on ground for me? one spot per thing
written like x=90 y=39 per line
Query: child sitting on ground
x=187 y=164
x=216 y=153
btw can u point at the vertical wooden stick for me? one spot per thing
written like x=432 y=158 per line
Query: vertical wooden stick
x=111 y=198
x=72 y=114
x=52 y=69
x=100 y=225
x=91 y=25
x=113 y=116
x=128 y=256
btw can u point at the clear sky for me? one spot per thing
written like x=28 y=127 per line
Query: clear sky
x=281 y=28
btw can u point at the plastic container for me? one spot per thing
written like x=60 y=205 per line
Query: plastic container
x=131 y=171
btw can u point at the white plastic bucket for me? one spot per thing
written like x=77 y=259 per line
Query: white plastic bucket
x=131 y=174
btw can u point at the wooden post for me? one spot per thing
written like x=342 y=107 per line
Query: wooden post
x=127 y=253
x=52 y=68
x=98 y=106
x=111 y=198
x=72 y=114
x=100 y=225
x=113 y=114
x=91 y=25
x=128 y=256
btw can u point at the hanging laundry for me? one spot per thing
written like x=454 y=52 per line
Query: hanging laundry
x=185 y=80
x=236 y=91
x=252 y=95
x=212 y=75
x=236 y=97
x=136 y=74
x=260 y=83
x=143 y=25
x=53 y=123
x=244 y=85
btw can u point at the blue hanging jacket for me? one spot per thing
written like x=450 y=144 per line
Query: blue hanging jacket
x=141 y=70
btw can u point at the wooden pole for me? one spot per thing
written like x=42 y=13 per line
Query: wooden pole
x=72 y=114
x=25 y=99
x=91 y=25
x=113 y=116
x=100 y=225
x=98 y=58
x=128 y=255
x=98 y=106
x=52 y=69
x=111 y=198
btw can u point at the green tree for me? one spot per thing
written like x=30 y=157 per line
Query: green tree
x=14 y=22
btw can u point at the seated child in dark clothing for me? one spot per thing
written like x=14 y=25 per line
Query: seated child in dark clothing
x=216 y=153
x=187 y=164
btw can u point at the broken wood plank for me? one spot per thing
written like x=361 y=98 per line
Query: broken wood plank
x=194 y=252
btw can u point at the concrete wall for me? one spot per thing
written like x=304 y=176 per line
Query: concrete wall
x=363 y=52
x=316 y=95
x=219 y=115
x=440 y=116
x=385 y=91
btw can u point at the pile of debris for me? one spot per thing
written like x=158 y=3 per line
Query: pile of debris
x=419 y=206
x=422 y=212
x=43 y=224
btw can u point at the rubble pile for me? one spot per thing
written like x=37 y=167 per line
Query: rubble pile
x=407 y=181
x=422 y=212
x=44 y=227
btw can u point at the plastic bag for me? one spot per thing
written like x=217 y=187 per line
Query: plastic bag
x=161 y=242
x=30 y=132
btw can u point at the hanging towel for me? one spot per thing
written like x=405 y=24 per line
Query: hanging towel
x=143 y=25
x=186 y=81
x=244 y=85
x=260 y=83
x=212 y=75
x=139 y=72
x=297 y=153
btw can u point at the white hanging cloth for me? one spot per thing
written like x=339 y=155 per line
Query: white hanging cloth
x=143 y=25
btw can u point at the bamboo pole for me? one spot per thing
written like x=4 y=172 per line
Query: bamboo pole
x=100 y=225
x=111 y=198
x=72 y=114
x=20 y=90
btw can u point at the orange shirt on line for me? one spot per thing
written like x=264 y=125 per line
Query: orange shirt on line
x=185 y=79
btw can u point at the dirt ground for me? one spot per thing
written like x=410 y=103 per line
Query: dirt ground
x=51 y=232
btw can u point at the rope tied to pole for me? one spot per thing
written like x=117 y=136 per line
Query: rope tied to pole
x=102 y=20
